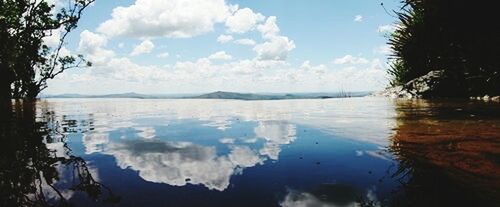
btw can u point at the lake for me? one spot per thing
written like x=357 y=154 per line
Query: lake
x=193 y=152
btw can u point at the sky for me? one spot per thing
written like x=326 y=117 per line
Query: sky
x=199 y=46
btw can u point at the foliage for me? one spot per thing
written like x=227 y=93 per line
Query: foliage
x=460 y=37
x=26 y=60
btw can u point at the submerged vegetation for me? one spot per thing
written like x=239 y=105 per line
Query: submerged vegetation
x=461 y=38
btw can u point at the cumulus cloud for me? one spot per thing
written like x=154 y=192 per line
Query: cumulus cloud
x=358 y=18
x=269 y=28
x=145 y=47
x=224 y=38
x=92 y=45
x=221 y=55
x=349 y=59
x=243 y=20
x=159 y=18
x=275 y=47
x=245 y=42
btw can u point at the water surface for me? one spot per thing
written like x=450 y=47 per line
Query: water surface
x=331 y=152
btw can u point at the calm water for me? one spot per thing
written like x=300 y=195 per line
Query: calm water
x=332 y=152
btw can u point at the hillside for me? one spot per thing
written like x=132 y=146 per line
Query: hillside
x=218 y=95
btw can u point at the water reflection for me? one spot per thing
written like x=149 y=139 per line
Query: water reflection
x=275 y=133
x=448 y=153
x=337 y=152
x=36 y=166
x=179 y=163
x=331 y=195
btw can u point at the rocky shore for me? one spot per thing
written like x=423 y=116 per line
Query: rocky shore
x=430 y=85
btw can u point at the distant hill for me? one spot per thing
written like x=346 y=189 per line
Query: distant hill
x=252 y=96
x=219 y=95
x=239 y=96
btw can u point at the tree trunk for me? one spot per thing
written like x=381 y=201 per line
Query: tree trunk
x=32 y=92
x=5 y=86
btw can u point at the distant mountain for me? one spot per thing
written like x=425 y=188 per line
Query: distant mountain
x=252 y=96
x=239 y=96
x=219 y=95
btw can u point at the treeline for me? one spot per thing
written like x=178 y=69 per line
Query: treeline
x=26 y=60
x=460 y=37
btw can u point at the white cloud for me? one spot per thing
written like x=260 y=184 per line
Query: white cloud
x=163 y=55
x=247 y=75
x=226 y=140
x=358 y=18
x=160 y=18
x=53 y=39
x=92 y=45
x=243 y=20
x=224 y=38
x=388 y=28
x=383 y=49
x=221 y=55
x=276 y=47
x=269 y=28
x=245 y=42
x=349 y=59
x=145 y=47
x=90 y=41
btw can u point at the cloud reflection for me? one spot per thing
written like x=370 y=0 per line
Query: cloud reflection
x=331 y=195
x=276 y=133
x=94 y=142
x=179 y=163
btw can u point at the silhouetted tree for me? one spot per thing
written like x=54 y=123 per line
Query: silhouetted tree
x=26 y=61
x=460 y=37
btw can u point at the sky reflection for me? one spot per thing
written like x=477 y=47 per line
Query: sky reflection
x=138 y=133
x=337 y=152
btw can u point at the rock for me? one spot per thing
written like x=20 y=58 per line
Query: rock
x=420 y=87
x=425 y=85
x=393 y=92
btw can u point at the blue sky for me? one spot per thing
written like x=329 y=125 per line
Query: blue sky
x=197 y=46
